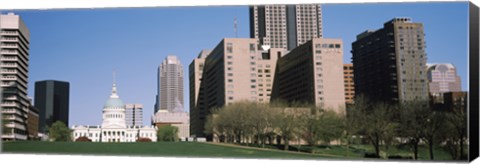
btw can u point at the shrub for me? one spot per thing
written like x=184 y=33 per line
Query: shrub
x=83 y=139
x=142 y=139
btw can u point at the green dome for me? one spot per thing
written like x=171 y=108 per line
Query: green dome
x=114 y=103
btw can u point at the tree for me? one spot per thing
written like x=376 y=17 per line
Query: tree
x=59 y=132
x=456 y=133
x=320 y=124
x=167 y=133
x=432 y=132
x=374 y=121
x=287 y=120
x=413 y=121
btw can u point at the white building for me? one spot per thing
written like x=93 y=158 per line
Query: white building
x=114 y=127
x=14 y=52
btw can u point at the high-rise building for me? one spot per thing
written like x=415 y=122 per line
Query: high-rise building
x=285 y=26
x=134 y=114
x=313 y=73
x=52 y=101
x=195 y=77
x=235 y=70
x=170 y=85
x=390 y=63
x=14 y=52
x=349 y=84
x=443 y=78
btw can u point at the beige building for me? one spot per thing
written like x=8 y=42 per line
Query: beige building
x=349 y=84
x=197 y=113
x=285 y=26
x=14 y=51
x=181 y=120
x=313 y=73
x=237 y=69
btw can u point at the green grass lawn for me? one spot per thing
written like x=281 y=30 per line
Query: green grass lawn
x=166 y=149
x=196 y=149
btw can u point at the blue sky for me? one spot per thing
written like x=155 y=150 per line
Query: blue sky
x=84 y=46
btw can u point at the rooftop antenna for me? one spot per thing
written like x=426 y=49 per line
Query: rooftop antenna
x=235 y=27
x=113 y=76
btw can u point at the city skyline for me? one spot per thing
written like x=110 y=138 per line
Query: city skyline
x=88 y=63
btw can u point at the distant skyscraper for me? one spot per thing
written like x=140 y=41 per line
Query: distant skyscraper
x=390 y=63
x=14 y=51
x=313 y=73
x=443 y=78
x=52 y=101
x=285 y=26
x=170 y=85
x=349 y=84
x=134 y=114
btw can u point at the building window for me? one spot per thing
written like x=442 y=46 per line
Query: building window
x=252 y=86
x=230 y=74
x=230 y=80
x=229 y=63
x=337 y=45
x=318 y=52
x=229 y=57
x=229 y=48
x=252 y=48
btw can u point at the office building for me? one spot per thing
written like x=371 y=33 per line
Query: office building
x=32 y=121
x=14 y=52
x=134 y=114
x=313 y=73
x=235 y=70
x=349 y=84
x=390 y=63
x=114 y=127
x=181 y=120
x=442 y=78
x=285 y=26
x=455 y=101
x=195 y=77
x=52 y=101
x=170 y=85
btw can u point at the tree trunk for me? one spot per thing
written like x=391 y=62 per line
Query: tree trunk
x=430 y=148
x=376 y=144
x=285 y=140
x=415 y=150
x=461 y=147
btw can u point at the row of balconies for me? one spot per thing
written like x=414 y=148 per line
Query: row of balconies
x=9 y=33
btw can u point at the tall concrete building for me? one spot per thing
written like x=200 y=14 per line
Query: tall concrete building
x=285 y=26
x=313 y=73
x=14 y=52
x=443 y=78
x=349 y=84
x=390 y=63
x=134 y=114
x=235 y=70
x=195 y=76
x=52 y=101
x=170 y=85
